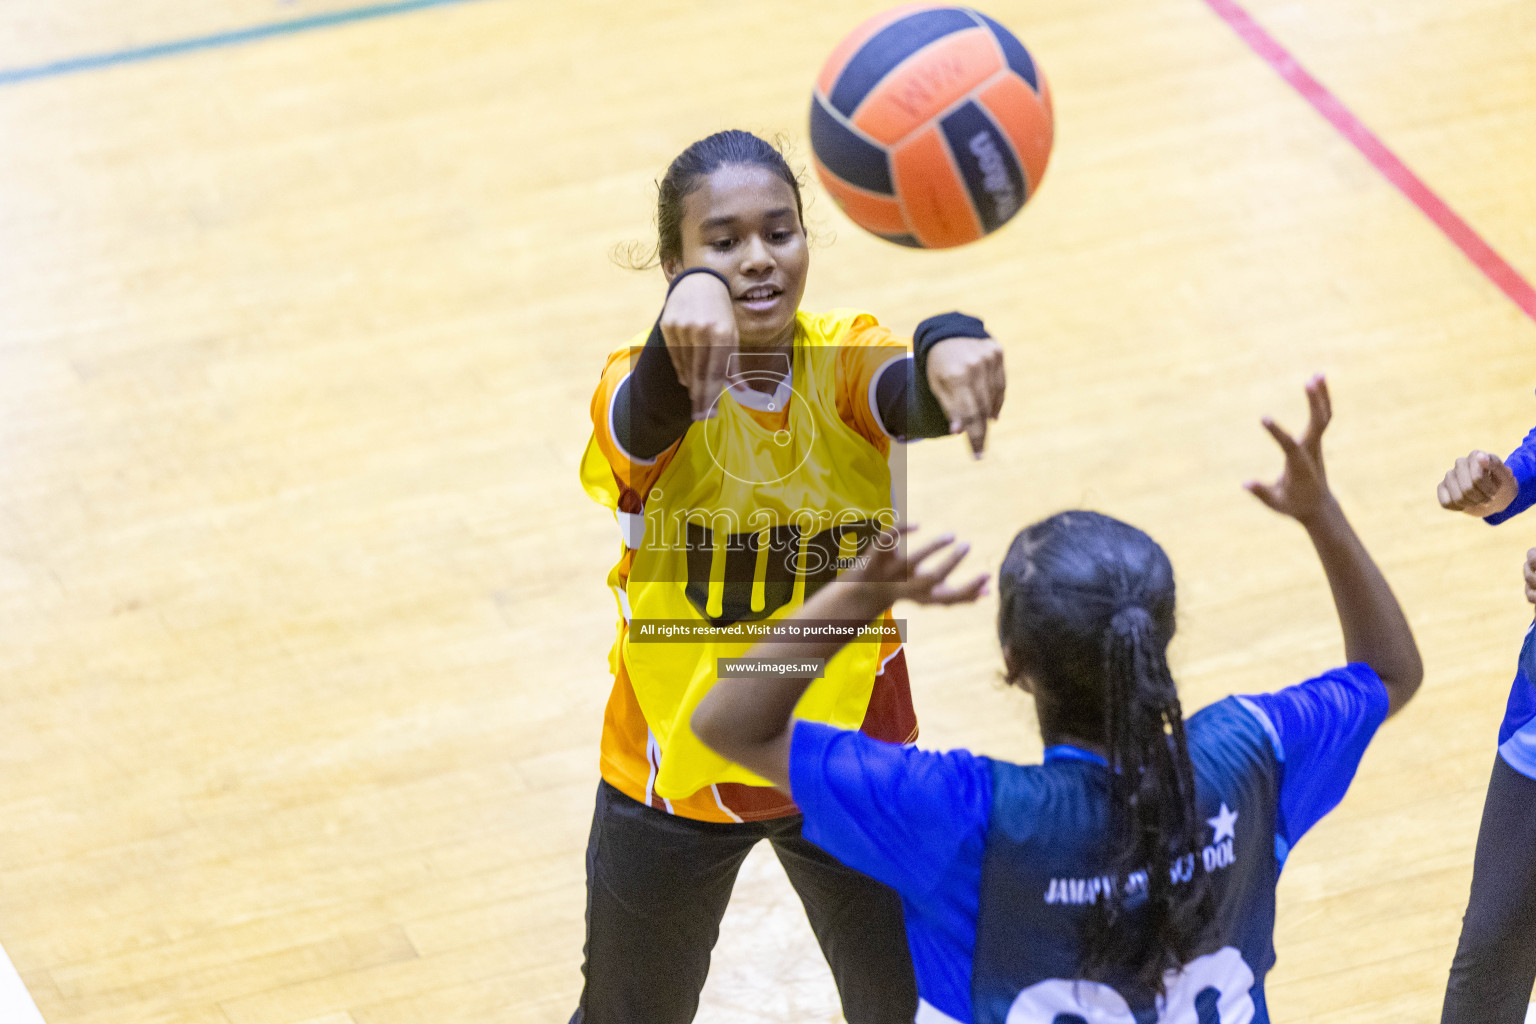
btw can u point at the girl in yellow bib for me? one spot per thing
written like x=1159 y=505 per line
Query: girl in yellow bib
x=744 y=445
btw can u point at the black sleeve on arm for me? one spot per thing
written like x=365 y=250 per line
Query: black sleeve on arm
x=652 y=408
x=903 y=399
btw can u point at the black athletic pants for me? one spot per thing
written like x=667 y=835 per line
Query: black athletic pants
x=657 y=886
x=1495 y=965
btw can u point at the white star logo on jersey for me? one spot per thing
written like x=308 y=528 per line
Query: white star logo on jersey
x=1225 y=824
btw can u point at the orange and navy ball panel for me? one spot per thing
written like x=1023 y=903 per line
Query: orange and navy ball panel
x=994 y=181
x=1025 y=117
x=850 y=44
x=898 y=85
x=880 y=214
x=846 y=153
x=936 y=205
x=1018 y=58
x=926 y=84
x=889 y=47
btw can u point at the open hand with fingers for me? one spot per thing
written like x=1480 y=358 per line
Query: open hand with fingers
x=1376 y=632
x=892 y=572
x=1479 y=485
x=1302 y=490
x=750 y=722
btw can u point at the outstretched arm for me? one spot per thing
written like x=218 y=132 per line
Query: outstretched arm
x=1375 y=630
x=953 y=384
x=1491 y=488
x=963 y=370
x=748 y=719
x=1479 y=485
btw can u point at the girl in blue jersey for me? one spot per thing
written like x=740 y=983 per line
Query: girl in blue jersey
x=1131 y=877
x=1495 y=966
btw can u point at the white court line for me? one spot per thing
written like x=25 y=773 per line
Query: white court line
x=16 y=1005
x=1530 y=1015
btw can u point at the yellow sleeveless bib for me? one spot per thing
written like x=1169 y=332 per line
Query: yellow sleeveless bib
x=740 y=523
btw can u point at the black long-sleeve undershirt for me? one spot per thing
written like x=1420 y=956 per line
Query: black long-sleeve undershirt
x=652 y=409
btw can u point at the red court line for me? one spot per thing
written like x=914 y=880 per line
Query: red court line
x=1493 y=266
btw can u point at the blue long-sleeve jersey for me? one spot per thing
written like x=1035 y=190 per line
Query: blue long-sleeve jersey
x=1522 y=462
x=1517 y=733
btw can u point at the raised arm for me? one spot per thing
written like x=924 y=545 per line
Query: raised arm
x=748 y=719
x=1375 y=629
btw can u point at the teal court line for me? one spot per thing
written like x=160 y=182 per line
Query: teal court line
x=236 y=37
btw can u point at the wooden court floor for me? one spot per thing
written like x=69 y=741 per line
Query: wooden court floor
x=303 y=628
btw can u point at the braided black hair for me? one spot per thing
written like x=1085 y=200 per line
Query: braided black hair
x=1086 y=614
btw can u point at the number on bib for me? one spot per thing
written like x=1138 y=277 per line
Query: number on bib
x=1212 y=989
x=1058 y=1001
x=762 y=567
